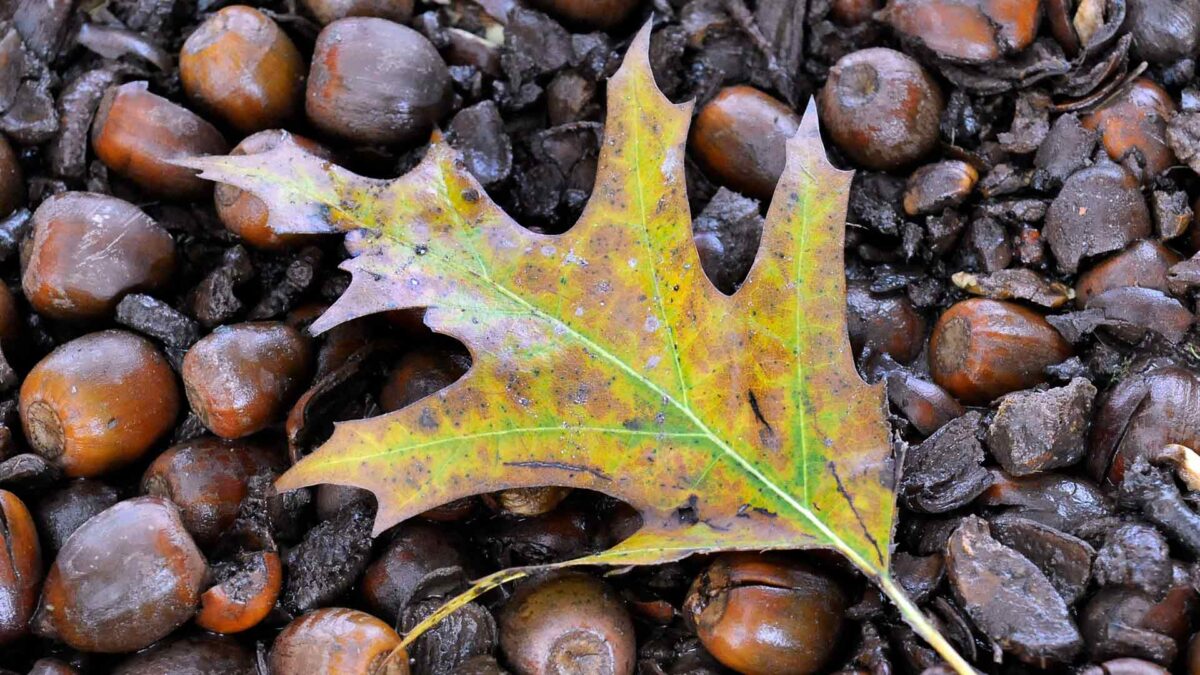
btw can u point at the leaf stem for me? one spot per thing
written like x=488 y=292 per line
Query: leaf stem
x=911 y=613
x=921 y=624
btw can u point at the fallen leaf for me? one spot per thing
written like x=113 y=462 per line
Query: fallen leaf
x=603 y=358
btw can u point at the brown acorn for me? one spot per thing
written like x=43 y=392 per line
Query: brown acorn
x=887 y=324
x=126 y=578
x=328 y=11
x=207 y=478
x=740 y=136
x=20 y=567
x=881 y=108
x=194 y=655
x=337 y=641
x=589 y=14
x=971 y=30
x=240 y=602
x=137 y=134
x=934 y=187
x=240 y=66
x=88 y=251
x=243 y=213
x=241 y=378
x=99 y=402
x=567 y=621
x=765 y=614
x=374 y=81
x=1144 y=264
x=1136 y=121
x=981 y=349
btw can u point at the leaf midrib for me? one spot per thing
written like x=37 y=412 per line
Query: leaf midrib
x=702 y=429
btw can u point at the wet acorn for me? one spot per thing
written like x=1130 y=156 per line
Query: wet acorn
x=243 y=600
x=567 y=622
x=20 y=567
x=137 y=134
x=337 y=641
x=420 y=373
x=12 y=179
x=243 y=213
x=1156 y=403
x=1164 y=31
x=241 y=378
x=196 y=655
x=59 y=513
x=589 y=14
x=99 y=402
x=207 y=478
x=374 y=81
x=240 y=66
x=1136 y=122
x=88 y=251
x=981 y=349
x=934 y=187
x=416 y=550
x=881 y=108
x=853 y=12
x=740 y=137
x=1143 y=264
x=887 y=324
x=973 y=31
x=763 y=614
x=125 y=579
x=1079 y=226
x=328 y=11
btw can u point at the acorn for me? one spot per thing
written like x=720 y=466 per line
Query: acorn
x=1143 y=263
x=137 y=134
x=89 y=250
x=337 y=641
x=12 y=180
x=374 y=81
x=60 y=512
x=241 y=67
x=766 y=614
x=740 y=137
x=887 y=324
x=126 y=578
x=20 y=567
x=881 y=108
x=1136 y=122
x=976 y=31
x=416 y=550
x=589 y=14
x=1164 y=31
x=328 y=11
x=420 y=373
x=195 y=655
x=934 y=187
x=1156 y=403
x=98 y=402
x=243 y=213
x=207 y=478
x=853 y=12
x=1079 y=226
x=567 y=621
x=242 y=601
x=241 y=378
x=981 y=349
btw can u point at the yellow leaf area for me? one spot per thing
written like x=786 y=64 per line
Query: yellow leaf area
x=603 y=358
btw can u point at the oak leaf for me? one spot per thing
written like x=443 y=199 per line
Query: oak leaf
x=604 y=358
